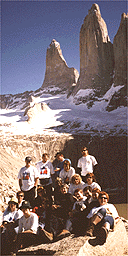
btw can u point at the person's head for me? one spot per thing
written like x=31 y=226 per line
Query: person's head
x=76 y=179
x=28 y=160
x=67 y=164
x=95 y=193
x=20 y=196
x=58 y=182
x=13 y=204
x=44 y=157
x=84 y=151
x=103 y=198
x=64 y=188
x=87 y=191
x=78 y=193
x=89 y=178
x=60 y=156
x=41 y=191
x=25 y=207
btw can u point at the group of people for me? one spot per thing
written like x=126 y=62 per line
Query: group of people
x=55 y=201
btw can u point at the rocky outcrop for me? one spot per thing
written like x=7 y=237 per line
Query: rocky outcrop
x=57 y=72
x=35 y=111
x=120 y=58
x=96 y=53
x=116 y=244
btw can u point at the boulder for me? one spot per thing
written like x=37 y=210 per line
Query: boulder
x=57 y=73
x=96 y=54
x=116 y=244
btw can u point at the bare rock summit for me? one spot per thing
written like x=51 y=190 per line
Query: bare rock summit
x=120 y=69
x=96 y=53
x=57 y=73
x=120 y=52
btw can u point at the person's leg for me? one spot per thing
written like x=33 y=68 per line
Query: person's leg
x=24 y=240
x=95 y=221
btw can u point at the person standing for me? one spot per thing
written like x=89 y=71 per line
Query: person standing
x=45 y=169
x=60 y=158
x=28 y=180
x=86 y=163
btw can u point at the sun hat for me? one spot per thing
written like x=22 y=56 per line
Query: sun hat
x=13 y=200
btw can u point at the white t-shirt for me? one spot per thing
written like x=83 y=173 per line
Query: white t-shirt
x=73 y=187
x=45 y=169
x=86 y=163
x=30 y=223
x=67 y=175
x=11 y=216
x=28 y=176
x=93 y=185
x=110 y=207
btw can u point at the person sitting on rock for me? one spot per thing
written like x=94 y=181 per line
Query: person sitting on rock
x=76 y=182
x=28 y=226
x=41 y=206
x=87 y=191
x=20 y=197
x=28 y=180
x=101 y=219
x=67 y=172
x=10 y=223
x=91 y=181
x=45 y=169
x=77 y=214
x=57 y=192
x=60 y=216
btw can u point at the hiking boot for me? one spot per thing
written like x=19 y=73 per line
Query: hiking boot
x=63 y=234
x=48 y=235
x=102 y=235
x=90 y=230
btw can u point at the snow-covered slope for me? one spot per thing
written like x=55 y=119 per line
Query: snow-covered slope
x=64 y=114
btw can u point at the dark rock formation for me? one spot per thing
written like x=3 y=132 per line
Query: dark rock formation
x=120 y=57
x=96 y=54
x=57 y=72
x=120 y=52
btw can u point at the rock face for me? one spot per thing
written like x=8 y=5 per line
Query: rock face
x=120 y=52
x=57 y=72
x=96 y=53
x=120 y=58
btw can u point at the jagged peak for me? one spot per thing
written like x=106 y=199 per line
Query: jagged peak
x=54 y=43
x=95 y=9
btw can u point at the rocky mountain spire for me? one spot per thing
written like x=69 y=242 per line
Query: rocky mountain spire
x=120 y=52
x=96 y=53
x=120 y=57
x=57 y=72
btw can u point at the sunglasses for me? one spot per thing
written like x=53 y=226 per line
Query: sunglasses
x=84 y=150
x=89 y=177
x=103 y=197
x=20 y=196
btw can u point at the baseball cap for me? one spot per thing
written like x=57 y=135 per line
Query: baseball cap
x=25 y=205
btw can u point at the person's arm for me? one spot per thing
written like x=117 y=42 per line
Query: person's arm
x=78 y=170
x=36 y=182
x=20 y=183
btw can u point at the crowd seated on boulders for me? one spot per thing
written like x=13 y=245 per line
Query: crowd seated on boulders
x=56 y=201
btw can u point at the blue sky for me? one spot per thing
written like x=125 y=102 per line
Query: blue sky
x=27 y=28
